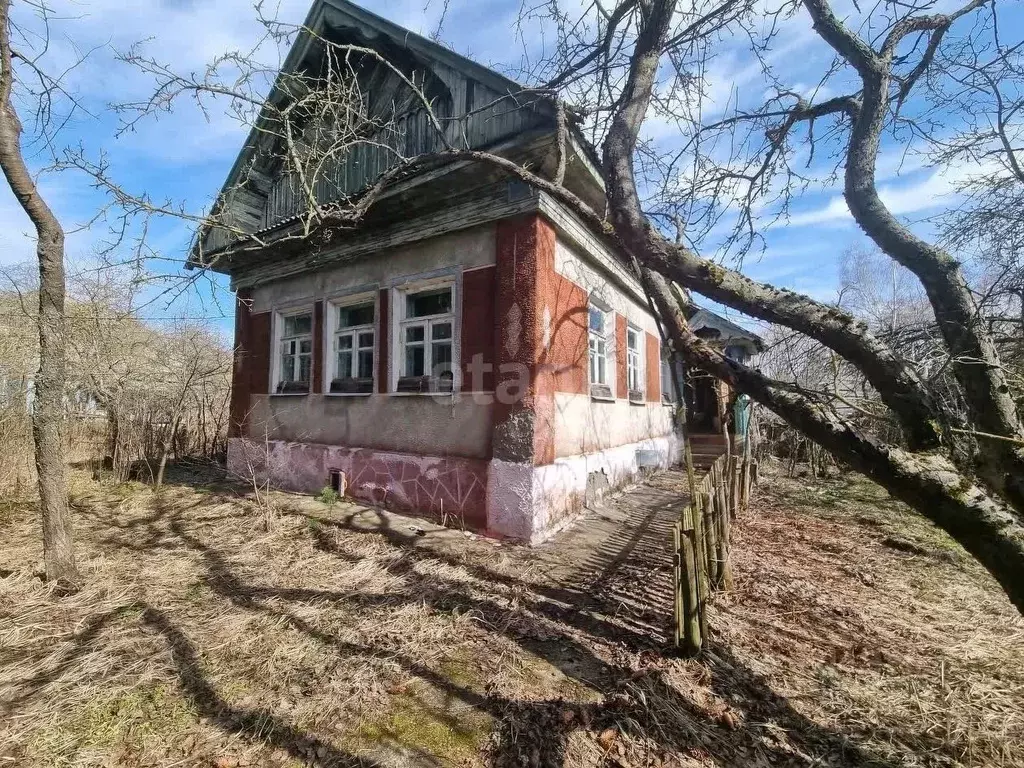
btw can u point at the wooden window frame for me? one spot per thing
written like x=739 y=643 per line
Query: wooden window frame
x=597 y=349
x=429 y=383
x=361 y=386
x=281 y=316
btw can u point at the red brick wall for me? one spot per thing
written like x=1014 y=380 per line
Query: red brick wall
x=523 y=244
x=383 y=342
x=653 y=368
x=567 y=356
x=478 y=307
x=621 y=381
x=318 y=347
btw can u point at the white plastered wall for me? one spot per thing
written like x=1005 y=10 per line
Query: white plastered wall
x=582 y=424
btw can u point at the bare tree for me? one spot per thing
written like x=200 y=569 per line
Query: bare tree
x=961 y=466
x=49 y=382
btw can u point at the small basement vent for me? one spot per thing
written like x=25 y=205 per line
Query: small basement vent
x=336 y=479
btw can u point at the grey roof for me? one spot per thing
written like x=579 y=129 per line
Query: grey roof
x=705 y=318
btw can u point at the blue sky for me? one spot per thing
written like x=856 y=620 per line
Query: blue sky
x=185 y=157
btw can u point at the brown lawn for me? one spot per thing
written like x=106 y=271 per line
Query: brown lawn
x=215 y=632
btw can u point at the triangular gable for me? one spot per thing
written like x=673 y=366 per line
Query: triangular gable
x=341 y=14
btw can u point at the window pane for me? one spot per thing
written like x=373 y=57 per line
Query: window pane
x=441 y=331
x=345 y=342
x=414 y=361
x=344 y=365
x=365 y=365
x=632 y=338
x=596 y=320
x=600 y=371
x=433 y=302
x=287 y=367
x=414 y=334
x=305 y=346
x=361 y=314
x=304 y=367
x=366 y=340
x=441 y=357
x=296 y=325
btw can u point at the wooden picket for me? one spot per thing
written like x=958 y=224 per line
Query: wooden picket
x=701 y=543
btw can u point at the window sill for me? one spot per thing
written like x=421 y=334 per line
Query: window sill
x=423 y=394
x=289 y=394
x=637 y=401
x=349 y=394
x=601 y=393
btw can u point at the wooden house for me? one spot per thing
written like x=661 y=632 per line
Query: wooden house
x=471 y=351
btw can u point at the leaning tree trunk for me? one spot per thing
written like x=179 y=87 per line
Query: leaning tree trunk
x=49 y=388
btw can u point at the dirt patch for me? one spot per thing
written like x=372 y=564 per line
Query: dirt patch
x=344 y=635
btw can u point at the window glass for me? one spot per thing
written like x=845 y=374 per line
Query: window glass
x=365 y=364
x=296 y=325
x=296 y=353
x=634 y=378
x=428 y=336
x=427 y=303
x=414 y=361
x=598 y=347
x=359 y=314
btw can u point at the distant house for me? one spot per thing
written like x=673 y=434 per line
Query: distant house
x=473 y=351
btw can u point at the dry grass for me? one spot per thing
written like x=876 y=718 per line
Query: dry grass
x=346 y=636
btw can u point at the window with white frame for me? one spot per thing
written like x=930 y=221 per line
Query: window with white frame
x=598 y=341
x=354 y=324
x=426 y=338
x=635 y=362
x=295 y=353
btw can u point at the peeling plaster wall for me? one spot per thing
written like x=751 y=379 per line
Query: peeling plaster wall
x=587 y=272
x=446 y=426
x=584 y=425
x=534 y=503
x=449 y=490
x=458 y=425
x=468 y=249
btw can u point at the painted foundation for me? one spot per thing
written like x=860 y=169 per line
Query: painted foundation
x=504 y=499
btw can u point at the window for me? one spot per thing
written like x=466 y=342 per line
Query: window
x=354 y=336
x=427 y=341
x=296 y=353
x=598 y=339
x=635 y=363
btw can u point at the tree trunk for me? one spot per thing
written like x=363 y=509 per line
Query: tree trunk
x=48 y=402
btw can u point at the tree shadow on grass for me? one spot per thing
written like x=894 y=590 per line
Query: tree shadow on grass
x=260 y=725
x=545 y=621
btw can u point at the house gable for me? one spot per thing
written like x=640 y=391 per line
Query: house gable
x=469 y=101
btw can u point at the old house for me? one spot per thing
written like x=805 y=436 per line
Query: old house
x=471 y=351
